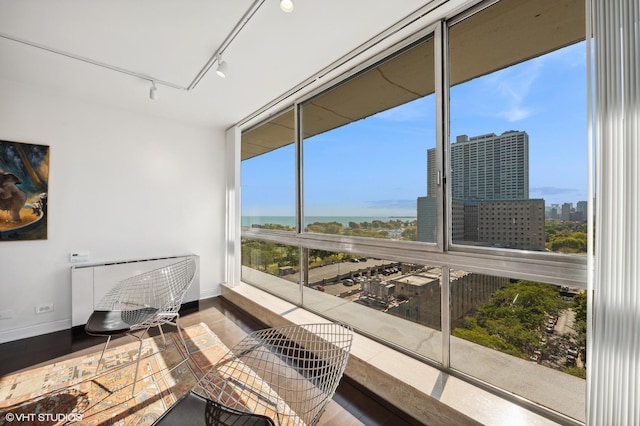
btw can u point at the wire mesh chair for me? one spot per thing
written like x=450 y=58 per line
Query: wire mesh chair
x=136 y=304
x=287 y=374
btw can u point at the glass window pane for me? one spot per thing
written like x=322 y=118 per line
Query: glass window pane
x=365 y=150
x=272 y=267
x=518 y=158
x=395 y=301
x=268 y=174
x=525 y=337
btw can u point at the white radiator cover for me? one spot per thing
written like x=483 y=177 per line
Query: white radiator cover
x=89 y=283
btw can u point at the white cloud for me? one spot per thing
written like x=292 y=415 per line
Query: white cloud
x=515 y=114
x=512 y=87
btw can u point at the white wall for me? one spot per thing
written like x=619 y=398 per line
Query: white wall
x=121 y=186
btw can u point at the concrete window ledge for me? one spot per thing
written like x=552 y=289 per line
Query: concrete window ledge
x=422 y=391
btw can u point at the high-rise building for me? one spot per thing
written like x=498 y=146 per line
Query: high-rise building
x=427 y=219
x=552 y=212
x=490 y=187
x=565 y=214
x=512 y=223
x=491 y=167
x=582 y=208
x=432 y=178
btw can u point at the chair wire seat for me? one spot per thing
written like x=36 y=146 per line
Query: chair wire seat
x=287 y=373
x=136 y=304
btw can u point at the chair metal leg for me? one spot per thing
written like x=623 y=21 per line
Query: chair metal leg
x=184 y=342
x=102 y=355
x=162 y=334
x=140 y=338
x=155 y=380
x=135 y=376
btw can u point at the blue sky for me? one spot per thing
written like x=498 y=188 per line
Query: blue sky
x=377 y=166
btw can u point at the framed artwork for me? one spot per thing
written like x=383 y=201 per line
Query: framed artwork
x=24 y=187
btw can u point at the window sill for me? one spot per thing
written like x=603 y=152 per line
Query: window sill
x=422 y=391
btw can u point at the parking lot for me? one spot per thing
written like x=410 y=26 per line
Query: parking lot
x=338 y=271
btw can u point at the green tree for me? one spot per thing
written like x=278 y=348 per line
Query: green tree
x=377 y=224
x=576 y=243
x=580 y=326
x=291 y=256
x=474 y=333
x=575 y=371
x=319 y=254
x=410 y=234
x=566 y=237
x=278 y=227
x=514 y=317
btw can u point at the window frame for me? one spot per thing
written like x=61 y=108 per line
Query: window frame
x=551 y=268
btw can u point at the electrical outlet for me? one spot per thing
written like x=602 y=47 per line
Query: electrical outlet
x=6 y=314
x=44 y=308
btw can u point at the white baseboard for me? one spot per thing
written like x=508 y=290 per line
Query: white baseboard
x=206 y=294
x=34 y=330
x=65 y=324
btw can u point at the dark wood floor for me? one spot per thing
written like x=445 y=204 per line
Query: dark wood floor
x=352 y=404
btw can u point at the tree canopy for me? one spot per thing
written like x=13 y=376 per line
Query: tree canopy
x=566 y=237
x=513 y=319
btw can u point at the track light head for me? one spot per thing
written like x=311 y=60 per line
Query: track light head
x=153 y=92
x=286 y=6
x=222 y=68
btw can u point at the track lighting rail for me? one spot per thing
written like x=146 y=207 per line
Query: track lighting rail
x=213 y=60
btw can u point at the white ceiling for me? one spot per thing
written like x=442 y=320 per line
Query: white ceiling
x=173 y=39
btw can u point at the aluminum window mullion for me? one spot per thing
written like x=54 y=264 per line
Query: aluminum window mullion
x=443 y=212
x=304 y=252
x=445 y=315
x=303 y=279
x=297 y=111
x=233 y=231
x=441 y=116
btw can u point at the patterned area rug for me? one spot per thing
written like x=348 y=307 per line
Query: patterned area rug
x=71 y=392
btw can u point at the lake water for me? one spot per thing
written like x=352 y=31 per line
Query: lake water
x=248 y=221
